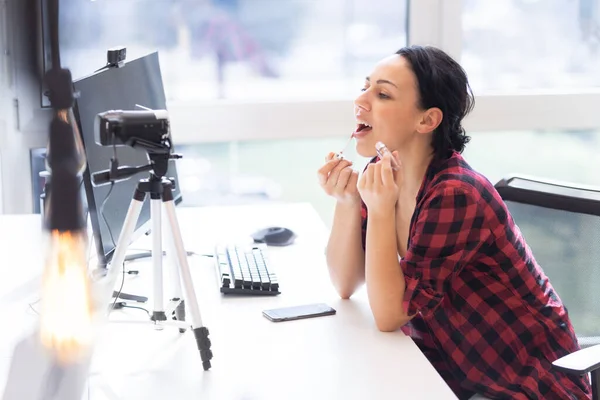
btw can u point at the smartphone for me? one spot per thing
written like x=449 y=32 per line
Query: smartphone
x=298 y=312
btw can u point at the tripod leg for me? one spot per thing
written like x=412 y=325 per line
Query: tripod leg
x=116 y=264
x=177 y=298
x=158 y=313
x=200 y=332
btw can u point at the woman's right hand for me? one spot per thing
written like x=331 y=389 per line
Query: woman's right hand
x=339 y=180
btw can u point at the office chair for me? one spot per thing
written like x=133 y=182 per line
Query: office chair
x=561 y=224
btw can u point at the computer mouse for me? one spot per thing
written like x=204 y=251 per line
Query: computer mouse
x=274 y=236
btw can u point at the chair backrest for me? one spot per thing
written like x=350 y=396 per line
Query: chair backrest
x=561 y=224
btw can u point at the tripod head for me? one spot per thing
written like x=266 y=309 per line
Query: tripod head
x=158 y=165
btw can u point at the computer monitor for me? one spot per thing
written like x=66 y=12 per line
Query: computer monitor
x=137 y=82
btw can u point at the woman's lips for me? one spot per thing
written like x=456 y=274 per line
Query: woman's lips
x=359 y=133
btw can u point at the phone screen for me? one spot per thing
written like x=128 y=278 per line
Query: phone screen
x=298 y=312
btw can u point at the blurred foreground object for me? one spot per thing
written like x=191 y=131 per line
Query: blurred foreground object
x=66 y=325
x=53 y=362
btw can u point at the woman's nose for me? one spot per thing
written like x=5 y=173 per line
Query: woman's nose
x=362 y=102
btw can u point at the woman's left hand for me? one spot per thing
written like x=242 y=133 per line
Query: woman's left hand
x=378 y=188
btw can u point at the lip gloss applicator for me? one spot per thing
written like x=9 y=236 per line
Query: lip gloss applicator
x=340 y=155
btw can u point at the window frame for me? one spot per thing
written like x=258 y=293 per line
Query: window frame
x=432 y=22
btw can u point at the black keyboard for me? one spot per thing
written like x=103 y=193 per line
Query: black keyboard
x=246 y=270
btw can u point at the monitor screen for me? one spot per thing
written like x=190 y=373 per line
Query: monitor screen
x=137 y=82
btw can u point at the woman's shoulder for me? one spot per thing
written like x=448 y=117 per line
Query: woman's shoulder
x=455 y=175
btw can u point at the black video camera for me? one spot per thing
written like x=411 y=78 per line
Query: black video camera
x=146 y=129
x=142 y=129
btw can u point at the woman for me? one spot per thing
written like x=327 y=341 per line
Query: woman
x=441 y=257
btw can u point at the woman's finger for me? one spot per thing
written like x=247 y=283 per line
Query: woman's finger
x=325 y=170
x=371 y=174
x=333 y=178
x=386 y=174
x=377 y=174
x=343 y=179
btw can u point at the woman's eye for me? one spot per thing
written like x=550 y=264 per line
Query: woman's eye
x=363 y=89
x=383 y=96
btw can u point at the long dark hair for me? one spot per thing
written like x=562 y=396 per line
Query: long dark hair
x=442 y=83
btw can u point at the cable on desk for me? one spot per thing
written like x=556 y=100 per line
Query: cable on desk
x=112 y=184
x=33 y=309
x=120 y=289
x=123 y=304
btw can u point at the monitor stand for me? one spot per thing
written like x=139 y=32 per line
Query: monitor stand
x=132 y=297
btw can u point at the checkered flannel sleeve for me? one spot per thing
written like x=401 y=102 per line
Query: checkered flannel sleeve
x=447 y=233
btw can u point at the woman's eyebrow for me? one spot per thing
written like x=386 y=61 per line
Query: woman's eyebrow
x=382 y=81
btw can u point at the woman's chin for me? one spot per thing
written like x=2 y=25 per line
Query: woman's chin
x=365 y=148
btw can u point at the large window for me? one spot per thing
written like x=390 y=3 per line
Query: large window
x=254 y=78
x=547 y=45
x=240 y=49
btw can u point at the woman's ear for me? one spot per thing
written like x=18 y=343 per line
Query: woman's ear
x=430 y=120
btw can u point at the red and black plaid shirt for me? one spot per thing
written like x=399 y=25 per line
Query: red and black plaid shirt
x=487 y=317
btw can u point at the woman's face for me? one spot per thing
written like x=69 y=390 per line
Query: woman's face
x=386 y=110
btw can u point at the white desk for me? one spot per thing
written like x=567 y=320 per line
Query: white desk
x=335 y=357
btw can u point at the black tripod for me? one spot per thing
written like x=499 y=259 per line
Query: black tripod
x=161 y=194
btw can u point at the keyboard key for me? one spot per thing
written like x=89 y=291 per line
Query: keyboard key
x=252 y=266
x=236 y=270
x=247 y=268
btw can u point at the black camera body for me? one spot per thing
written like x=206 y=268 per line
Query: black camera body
x=141 y=129
x=147 y=129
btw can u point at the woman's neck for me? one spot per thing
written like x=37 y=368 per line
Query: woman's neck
x=415 y=160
